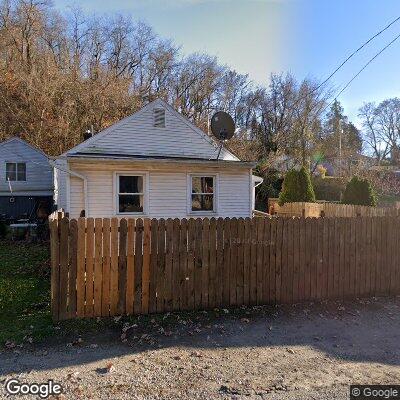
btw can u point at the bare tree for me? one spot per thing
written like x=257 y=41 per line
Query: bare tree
x=375 y=131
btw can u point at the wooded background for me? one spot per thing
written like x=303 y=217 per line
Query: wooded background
x=60 y=75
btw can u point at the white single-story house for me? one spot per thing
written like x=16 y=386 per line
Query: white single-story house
x=26 y=180
x=157 y=164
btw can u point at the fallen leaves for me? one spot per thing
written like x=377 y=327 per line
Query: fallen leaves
x=9 y=344
x=196 y=354
x=110 y=367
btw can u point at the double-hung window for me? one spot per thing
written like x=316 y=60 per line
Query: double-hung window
x=130 y=194
x=202 y=192
x=15 y=171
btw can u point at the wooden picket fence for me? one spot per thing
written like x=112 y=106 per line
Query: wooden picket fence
x=107 y=267
x=326 y=209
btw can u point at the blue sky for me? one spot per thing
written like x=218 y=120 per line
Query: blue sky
x=307 y=37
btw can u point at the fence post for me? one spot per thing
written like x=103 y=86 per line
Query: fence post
x=55 y=268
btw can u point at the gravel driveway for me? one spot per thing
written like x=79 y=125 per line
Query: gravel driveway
x=308 y=351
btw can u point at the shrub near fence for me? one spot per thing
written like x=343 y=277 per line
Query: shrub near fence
x=106 y=267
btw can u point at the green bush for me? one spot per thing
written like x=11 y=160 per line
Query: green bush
x=271 y=186
x=329 y=188
x=297 y=186
x=359 y=191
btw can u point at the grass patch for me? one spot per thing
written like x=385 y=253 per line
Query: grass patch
x=25 y=311
x=24 y=291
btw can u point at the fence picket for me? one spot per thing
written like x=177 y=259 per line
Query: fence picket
x=183 y=271
x=80 y=273
x=296 y=274
x=212 y=264
x=302 y=259
x=64 y=233
x=218 y=284
x=253 y=262
x=98 y=265
x=260 y=257
x=161 y=266
x=246 y=261
x=233 y=262
x=105 y=299
x=278 y=260
x=146 y=267
x=205 y=262
x=168 y=264
x=153 y=266
x=175 y=263
x=122 y=261
x=114 y=267
x=240 y=262
x=191 y=263
x=55 y=268
x=314 y=267
x=226 y=266
x=130 y=266
x=368 y=256
x=266 y=277
x=73 y=263
x=290 y=262
x=137 y=302
x=89 y=267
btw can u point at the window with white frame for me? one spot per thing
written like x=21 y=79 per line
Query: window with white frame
x=130 y=194
x=15 y=171
x=202 y=192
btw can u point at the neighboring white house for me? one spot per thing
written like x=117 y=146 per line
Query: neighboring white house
x=26 y=180
x=154 y=163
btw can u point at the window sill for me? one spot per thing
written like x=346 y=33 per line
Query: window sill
x=203 y=213
x=132 y=215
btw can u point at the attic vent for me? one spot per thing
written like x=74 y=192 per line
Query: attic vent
x=159 y=117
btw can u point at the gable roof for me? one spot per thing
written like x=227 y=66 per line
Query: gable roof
x=136 y=135
x=17 y=139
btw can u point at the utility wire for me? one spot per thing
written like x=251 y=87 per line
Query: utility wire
x=347 y=59
x=356 y=51
x=361 y=70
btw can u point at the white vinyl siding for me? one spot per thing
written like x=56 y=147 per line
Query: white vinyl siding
x=234 y=194
x=137 y=135
x=167 y=191
x=100 y=193
x=76 y=199
x=60 y=183
x=168 y=194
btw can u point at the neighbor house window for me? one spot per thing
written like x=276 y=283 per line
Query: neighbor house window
x=15 y=171
x=202 y=193
x=130 y=193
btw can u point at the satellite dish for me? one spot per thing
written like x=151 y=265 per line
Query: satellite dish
x=222 y=125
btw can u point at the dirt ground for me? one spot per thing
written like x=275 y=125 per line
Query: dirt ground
x=308 y=351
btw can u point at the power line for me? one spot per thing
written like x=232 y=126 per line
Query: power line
x=348 y=58
x=361 y=70
x=356 y=51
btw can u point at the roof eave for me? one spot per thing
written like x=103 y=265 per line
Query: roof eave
x=97 y=158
